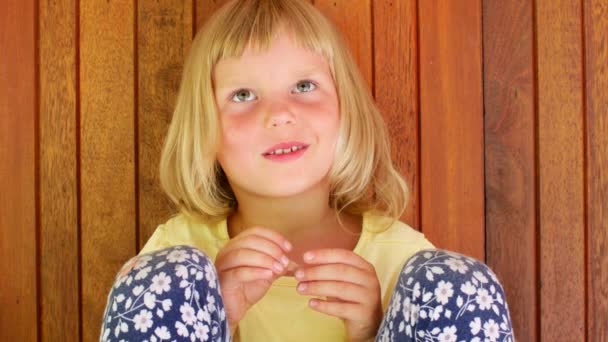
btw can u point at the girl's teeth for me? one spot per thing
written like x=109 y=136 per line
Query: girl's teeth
x=286 y=150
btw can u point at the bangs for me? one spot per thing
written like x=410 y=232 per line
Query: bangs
x=253 y=24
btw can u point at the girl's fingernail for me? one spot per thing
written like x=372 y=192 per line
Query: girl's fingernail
x=285 y=260
x=302 y=287
x=308 y=256
x=278 y=267
x=313 y=302
x=287 y=245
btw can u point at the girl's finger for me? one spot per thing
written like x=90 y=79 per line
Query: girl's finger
x=343 y=291
x=248 y=257
x=335 y=256
x=237 y=276
x=257 y=243
x=344 y=310
x=271 y=235
x=337 y=272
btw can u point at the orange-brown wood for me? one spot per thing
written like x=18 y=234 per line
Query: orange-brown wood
x=355 y=27
x=451 y=125
x=560 y=170
x=510 y=183
x=107 y=151
x=204 y=9
x=18 y=155
x=596 y=67
x=164 y=36
x=59 y=245
x=396 y=89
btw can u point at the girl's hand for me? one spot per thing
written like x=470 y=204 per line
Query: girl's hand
x=247 y=266
x=351 y=286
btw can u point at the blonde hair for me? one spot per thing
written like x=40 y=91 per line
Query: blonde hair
x=362 y=177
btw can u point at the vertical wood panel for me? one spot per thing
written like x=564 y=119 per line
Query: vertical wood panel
x=396 y=89
x=107 y=151
x=451 y=121
x=204 y=9
x=18 y=269
x=596 y=64
x=355 y=27
x=164 y=37
x=560 y=158
x=509 y=133
x=58 y=173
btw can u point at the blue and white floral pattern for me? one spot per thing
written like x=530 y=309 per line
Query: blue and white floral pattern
x=446 y=296
x=173 y=295
x=167 y=295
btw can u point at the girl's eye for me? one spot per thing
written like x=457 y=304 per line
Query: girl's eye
x=243 y=95
x=305 y=86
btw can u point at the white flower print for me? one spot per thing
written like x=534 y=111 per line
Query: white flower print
x=480 y=276
x=150 y=300
x=468 y=288
x=448 y=334
x=457 y=265
x=484 y=299
x=177 y=255
x=181 y=271
x=143 y=273
x=210 y=275
x=162 y=333
x=188 y=315
x=182 y=330
x=160 y=283
x=444 y=292
x=143 y=320
x=201 y=331
x=395 y=304
x=475 y=326
x=491 y=330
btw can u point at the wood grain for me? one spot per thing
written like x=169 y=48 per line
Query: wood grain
x=204 y=9
x=451 y=125
x=107 y=151
x=164 y=36
x=396 y=89
x=509 y=132
x=596 y=67
x=18 y=197
x=59 y=271
x=560 y=170
x=355 y=29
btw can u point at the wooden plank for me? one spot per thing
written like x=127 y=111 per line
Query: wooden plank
x=59 y=278
x=560 y=169
x=509 y=95
x=164 y=37
x=18 y=197
x=107 y=151
x=355 y=27
x=396 y=89
x=204 y=9
x=596 y=61
x=451 y=121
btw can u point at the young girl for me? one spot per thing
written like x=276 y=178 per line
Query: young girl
x=279 y=164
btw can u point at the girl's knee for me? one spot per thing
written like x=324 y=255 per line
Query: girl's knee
x=443 y=294
x=167 y=293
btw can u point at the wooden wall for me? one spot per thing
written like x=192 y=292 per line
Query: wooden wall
x=497 y=112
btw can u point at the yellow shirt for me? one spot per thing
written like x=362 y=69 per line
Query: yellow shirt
x=283 y=314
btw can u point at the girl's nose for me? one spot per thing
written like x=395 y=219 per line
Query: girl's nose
x=279 y=115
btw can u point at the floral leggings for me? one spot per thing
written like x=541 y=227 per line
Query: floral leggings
x=173 y=294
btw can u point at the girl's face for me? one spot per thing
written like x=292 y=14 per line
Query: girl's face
x=285 y=95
